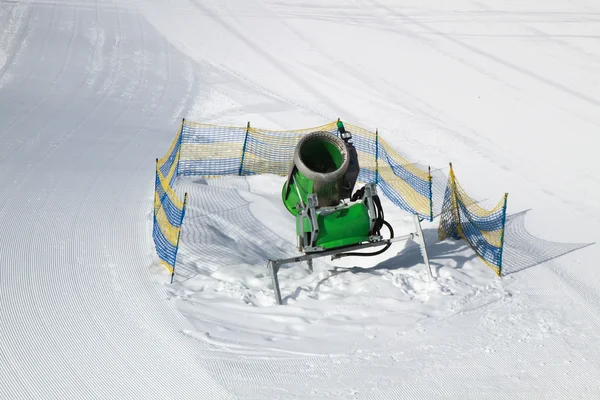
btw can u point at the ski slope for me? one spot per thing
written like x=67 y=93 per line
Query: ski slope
x=91 y=92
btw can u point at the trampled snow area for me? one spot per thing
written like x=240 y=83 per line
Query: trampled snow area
x=91 y=92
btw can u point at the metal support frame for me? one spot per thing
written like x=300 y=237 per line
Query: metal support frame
x=308 y=241
x=311 y=213
x=421 y=240
x=274 y=265
x=370 y=192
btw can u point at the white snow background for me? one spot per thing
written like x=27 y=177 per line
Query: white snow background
x=91 y=92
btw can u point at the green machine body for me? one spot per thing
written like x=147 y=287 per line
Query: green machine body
x=318 y=193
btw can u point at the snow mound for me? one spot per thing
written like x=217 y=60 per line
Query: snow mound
x=234 y=225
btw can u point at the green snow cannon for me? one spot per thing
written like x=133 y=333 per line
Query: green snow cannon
x=318 y=192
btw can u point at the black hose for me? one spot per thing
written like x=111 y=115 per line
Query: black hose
x=380 y=216
x=387 y=246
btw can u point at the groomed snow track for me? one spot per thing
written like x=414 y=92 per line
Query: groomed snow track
x=90 y=92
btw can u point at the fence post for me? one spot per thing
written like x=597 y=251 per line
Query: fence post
x=376 y=157
x=244 y=149
x=155 y=188
x=502 y=237
x=179 y=151
x=455 y=205
x=430 y=196
x=179 y=236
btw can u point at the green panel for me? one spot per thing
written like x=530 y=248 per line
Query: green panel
x=343 y=227
x=301 y=184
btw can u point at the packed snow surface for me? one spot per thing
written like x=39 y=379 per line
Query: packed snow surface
x=91 y=92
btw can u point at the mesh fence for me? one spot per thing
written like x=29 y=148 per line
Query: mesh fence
x=168 y=208
x=211 y=150
x=408 y=186
x=462 y=218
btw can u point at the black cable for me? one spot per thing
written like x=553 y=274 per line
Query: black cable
x=387 y=246
x=359 y=194
x=380 y=216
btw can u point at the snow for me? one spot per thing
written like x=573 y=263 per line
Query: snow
x=92 y=92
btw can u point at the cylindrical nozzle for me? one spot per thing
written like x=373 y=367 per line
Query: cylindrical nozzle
x=321 y=160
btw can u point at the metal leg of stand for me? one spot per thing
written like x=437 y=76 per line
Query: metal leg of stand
x=274 y=269
x=334 y=253
x=310 y=265
x=423 y=247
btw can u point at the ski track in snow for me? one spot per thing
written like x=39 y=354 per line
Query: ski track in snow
x=92 y=91
x=72 y=294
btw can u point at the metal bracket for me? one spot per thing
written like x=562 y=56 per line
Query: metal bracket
x=370 y=192
x=274 y=268
x=330 y=210
x=421 y=240
x=311 y=213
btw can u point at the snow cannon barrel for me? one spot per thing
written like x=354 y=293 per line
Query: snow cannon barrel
x=323 y=174
x=321 y=162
